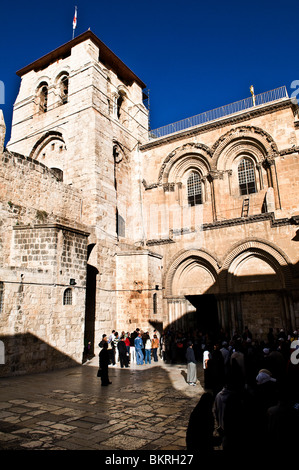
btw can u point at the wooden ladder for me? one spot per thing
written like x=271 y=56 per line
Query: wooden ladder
x=245 y=207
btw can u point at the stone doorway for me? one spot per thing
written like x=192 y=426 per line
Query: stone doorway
x=205 y=315
x=90 y=307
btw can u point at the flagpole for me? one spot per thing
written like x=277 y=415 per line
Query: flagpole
x=74 y=22
x=253 y=95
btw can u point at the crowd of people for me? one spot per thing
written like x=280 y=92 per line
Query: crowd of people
x=251 y=398
x=251 y=387
x=127 y=348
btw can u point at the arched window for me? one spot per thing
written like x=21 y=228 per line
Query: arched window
x=246 y=175
x=58 y=173
x=64 y=89
x=120 y=101
x=194 y=189
x=68 y=296
x=43 y=97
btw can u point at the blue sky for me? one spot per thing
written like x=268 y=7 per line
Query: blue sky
x=193 y=55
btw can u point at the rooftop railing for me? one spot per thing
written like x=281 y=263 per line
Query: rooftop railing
x=222 y=111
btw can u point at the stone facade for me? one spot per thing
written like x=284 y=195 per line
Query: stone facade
x=97 y=229
x=247 y=261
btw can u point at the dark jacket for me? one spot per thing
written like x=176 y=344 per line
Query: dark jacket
x=190 y=356
x=104 y=359
x=121 y=345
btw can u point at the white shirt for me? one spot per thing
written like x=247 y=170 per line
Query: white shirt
x=206 y=357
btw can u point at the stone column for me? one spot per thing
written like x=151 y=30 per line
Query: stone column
x=272 y=179
x=215 y=177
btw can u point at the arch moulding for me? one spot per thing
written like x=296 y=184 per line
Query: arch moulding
x=43 y=141
x=203 y=257
x=263 y=249
x=200 y=151
x=254 y=136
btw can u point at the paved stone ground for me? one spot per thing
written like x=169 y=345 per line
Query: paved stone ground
x=146 y=408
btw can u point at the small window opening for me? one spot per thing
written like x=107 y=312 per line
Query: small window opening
x=120 y=101
x=1 y=296
x=68 y=296
x=155 y=303
x=64 y=89
x=43 y=98
x=58 y=173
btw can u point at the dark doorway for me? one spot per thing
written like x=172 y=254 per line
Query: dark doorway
x=90 y=307
x=206 y=315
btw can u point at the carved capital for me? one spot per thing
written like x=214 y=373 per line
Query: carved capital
x=215 y=174
x=269 y=161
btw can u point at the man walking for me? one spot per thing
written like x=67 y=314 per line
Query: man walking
x=138 y=349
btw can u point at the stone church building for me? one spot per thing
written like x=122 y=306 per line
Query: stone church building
x=106 y=224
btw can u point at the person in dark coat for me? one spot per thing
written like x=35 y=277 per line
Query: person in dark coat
x=191 y=365
x=216 y=365
x=104 y=363
x=122 y=350
x=199 y=436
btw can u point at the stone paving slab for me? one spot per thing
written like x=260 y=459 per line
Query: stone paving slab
x=145 y=408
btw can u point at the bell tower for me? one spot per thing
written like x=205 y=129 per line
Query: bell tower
x=80 y=112
x=75 y=106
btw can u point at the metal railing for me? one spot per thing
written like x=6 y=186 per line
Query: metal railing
x=222 y=111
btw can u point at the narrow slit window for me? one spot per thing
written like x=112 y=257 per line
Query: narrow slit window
x=119 y=106
x=155 y=303
x=43 y=98
x=64 y=89
x=194 y=187
x=1 y=296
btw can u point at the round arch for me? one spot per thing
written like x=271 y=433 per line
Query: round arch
x=265 y=254
x=250 y=139
x=50 y=150
x=191 y=262
x=254 y=283
x=177 y=161
x=43 y=141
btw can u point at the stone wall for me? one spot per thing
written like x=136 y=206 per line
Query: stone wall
x=43 y=246
x=139 y=277
x=46 y=261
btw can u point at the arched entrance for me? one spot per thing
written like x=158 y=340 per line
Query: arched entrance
x=250 y=287
x=256 y=277
x=191 y=292
x=206 y=315
x=90 y=308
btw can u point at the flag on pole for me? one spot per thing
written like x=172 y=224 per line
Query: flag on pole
x=75 y=21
